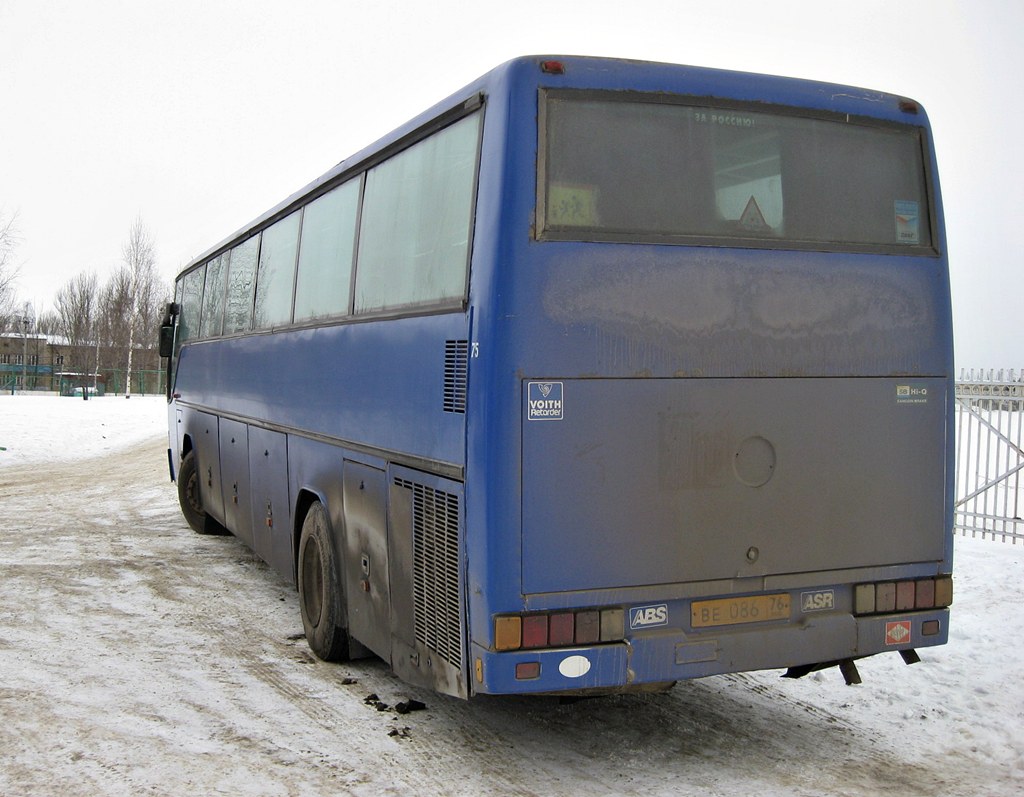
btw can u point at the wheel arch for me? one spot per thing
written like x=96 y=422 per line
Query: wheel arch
x=303 y=501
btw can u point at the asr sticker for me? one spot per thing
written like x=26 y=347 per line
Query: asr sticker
x=544 y=401
x=819 y=601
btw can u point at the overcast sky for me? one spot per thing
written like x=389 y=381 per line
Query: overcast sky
x=199 y=115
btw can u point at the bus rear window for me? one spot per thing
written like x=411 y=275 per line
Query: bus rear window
x=655 y=171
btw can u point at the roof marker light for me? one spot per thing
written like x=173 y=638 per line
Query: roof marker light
x=552 y=67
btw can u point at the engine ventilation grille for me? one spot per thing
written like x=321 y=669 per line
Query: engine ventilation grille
x=435 y=580
x=456 y=367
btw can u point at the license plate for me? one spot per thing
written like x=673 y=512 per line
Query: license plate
x=735 y=611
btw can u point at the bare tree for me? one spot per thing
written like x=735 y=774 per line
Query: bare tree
x=77 y=313
x=9 y=240
x=48 y=323
x=140 y=259
x=114 y=318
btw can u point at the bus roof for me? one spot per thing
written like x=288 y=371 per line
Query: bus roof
x=615 y=74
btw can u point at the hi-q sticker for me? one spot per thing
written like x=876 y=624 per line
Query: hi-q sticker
x=544 y=401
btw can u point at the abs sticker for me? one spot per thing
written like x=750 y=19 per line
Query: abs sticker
x=648 y=616
x=544 y=401
x=818 y=601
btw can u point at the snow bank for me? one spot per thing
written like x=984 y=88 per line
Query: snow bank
x=40 y=429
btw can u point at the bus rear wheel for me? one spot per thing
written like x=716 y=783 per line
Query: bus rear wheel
x=320 y=589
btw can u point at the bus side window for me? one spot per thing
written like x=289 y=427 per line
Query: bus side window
x=241 y=276
x=212 y=320
x=191 y=304
x=417 y=214
x=323 y=286
x=277 y=273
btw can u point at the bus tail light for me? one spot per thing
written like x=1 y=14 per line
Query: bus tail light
x=562 y=629
x=535 y=631
x=588 y=627
x=508 y=633
x=888 y=597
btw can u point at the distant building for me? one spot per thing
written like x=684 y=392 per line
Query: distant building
x=48 y=363
x=25 y=357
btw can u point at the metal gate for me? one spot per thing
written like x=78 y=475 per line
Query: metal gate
x=990 y=457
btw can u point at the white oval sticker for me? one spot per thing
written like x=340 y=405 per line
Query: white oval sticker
x=574 y=666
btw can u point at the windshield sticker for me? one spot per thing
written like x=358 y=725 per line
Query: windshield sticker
x=908 y=215
x=722 y=118
x=572 y=205
x=753 y=219
x=544 y=401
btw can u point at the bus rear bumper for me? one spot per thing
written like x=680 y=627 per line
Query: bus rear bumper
x=671 y=654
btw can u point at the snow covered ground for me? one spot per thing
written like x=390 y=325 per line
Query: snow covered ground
x=139 y=658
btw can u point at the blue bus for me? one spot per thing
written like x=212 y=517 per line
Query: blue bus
x=597 y=375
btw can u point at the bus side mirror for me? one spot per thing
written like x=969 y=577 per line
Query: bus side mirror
x=167 y=340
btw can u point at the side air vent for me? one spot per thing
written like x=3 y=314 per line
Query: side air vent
x=456 y=367
x=435 y=579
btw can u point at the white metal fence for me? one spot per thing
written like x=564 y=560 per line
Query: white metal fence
x=990 y=456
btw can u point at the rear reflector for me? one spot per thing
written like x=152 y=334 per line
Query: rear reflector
x=527 y=670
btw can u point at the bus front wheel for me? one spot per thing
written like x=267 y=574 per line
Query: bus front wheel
x=320 y=589
x=189 y=497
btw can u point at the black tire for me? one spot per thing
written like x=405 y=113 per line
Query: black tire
x=319 y=582
x=189 y=496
